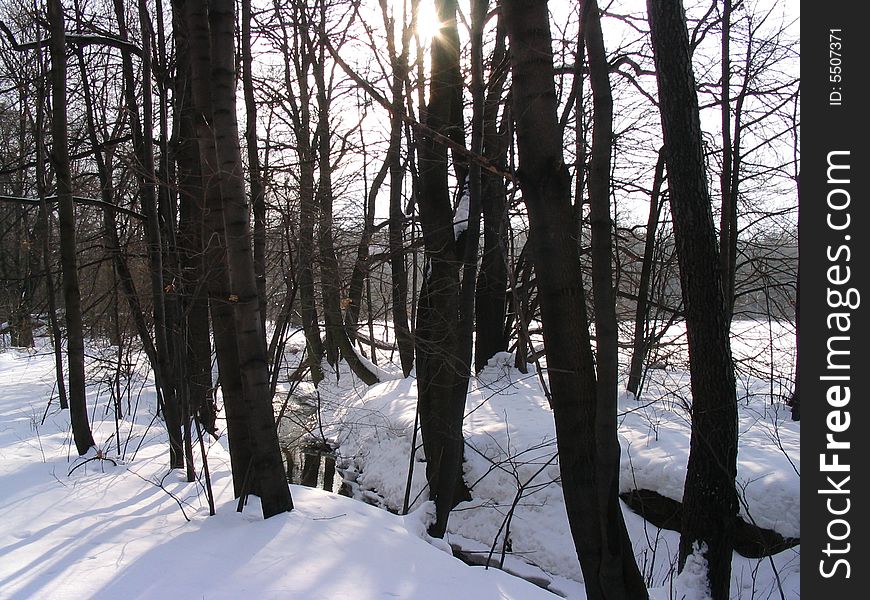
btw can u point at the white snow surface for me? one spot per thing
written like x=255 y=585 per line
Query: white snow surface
x=510 y=456
x=106 y=531
x=460 y=217
x=693 y=582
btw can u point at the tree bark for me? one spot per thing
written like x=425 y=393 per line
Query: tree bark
x=398 y=264
x=619 y=574
x=546 y=187
x=640 y=345
x=337 y=341
x=491 y=294
x=267 y=468
x=362 y=266
x=44 y=215
x=193 y=284
x=468 y=240
x=728 y=218
x=258 y=193
x=81 y=428
x=144 y=152
x=295 y=58
x=438 y=366
x=192 y=34
x=709 y=498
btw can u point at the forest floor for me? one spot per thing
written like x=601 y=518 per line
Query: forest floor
x=75 y=528
x=511 y=465
x=120 y=525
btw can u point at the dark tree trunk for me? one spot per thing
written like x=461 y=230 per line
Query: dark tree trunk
x=605 y=559
x=258 y=194
x=143 y=148
x=305 y=273
x=468 y=241
x=337 y=342
x=81 y=428
x=299 y=60
x=21 y=323
x=110 y=228
x=361 y=267
x=491 y=301
x=190 y=241
x=178 y=415
x=193 y=34
x=330 y=283
x=254 y=452
x=619 y=575
x=640 y=345
x=728 y=218
x=44 y=212
x=398 y=261
x=709 y=498
x=267 y=468
x=438 y=366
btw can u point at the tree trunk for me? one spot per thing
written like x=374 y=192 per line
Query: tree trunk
x=267 y=468
x=728 y=218
x=110 y=229
x=81 y=428
x=307 y=295
x=640 y=345
x=619 y=575
x=299 y=60
x=258 y=193
x=709 y=498
x=396 y=225
x=337 y=341
x=362 y=267
x=44 y=215
x=491 y=294
x=191 y=193
x=546 y=187
x=144 y=151
x=438 y=366
x=468 y=240
x=192 y=34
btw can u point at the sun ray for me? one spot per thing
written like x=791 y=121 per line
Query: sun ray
x=428 y=24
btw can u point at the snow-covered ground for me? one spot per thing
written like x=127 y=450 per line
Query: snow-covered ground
x=514 y=474
x=72 y=529
x=123 y=531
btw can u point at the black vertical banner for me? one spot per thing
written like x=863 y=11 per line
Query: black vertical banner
x=834 y=300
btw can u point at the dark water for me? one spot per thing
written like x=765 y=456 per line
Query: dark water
x=308 y=458
x=312 y=465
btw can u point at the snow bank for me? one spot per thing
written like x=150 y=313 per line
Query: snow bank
x=510 y=464
x=122 y=531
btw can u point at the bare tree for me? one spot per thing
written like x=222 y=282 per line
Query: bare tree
x=84 y=440
x=337 y=340
x=211 y=42
x=586 y=437
x=439 y=367
x=709 y=497
x=258 y=195
x=398 y=267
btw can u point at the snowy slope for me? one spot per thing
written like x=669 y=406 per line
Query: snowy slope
x=112 y=531
x=511 y=466
x=109 y=531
